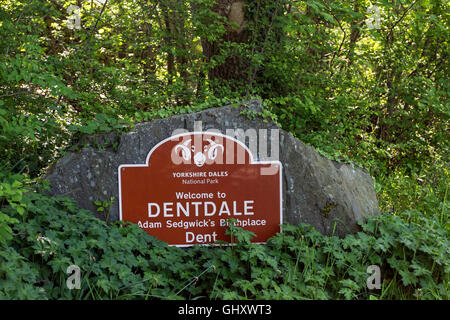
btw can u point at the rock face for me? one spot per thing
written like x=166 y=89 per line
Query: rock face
x=330 y=196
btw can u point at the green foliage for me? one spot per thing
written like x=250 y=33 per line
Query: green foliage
x=12 y=189
x=105 y=206
x=101 y=124
x=374 y=97
x=120 y=261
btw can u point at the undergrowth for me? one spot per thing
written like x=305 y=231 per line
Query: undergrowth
x=120 y=261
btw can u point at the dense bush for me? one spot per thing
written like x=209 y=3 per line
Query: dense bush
x=121 y=261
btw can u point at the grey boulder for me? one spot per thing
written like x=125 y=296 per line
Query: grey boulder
x=330 y=196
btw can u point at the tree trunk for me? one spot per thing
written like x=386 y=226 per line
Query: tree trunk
x=234 y=68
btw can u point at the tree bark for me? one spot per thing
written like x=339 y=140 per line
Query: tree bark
x=234 y=68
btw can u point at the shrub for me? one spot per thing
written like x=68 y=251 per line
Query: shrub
x=120 y=261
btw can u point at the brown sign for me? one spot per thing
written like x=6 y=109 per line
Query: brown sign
x=193 y=183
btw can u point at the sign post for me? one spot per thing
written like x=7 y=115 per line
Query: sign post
x=193 y=183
